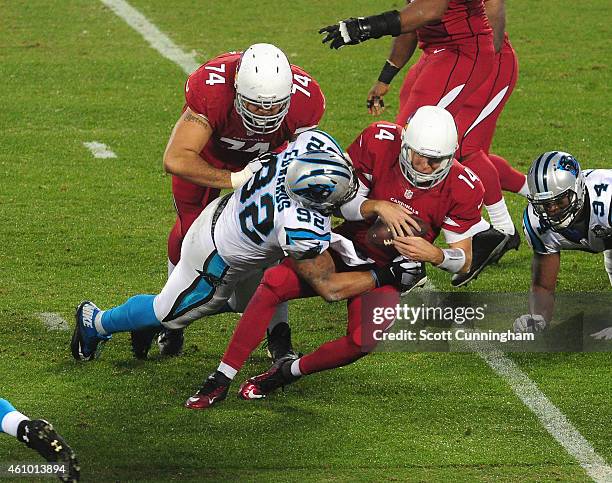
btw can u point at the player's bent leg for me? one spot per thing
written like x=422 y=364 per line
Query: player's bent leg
x=279 y=284
x=495 y=204
x=511 y=179
x=278 y=334
x=337 y=353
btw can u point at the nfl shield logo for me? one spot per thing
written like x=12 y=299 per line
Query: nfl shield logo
x=408 y=194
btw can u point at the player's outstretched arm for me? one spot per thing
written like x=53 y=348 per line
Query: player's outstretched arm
x=544 y=274
x=353 y=30
x=320 y=273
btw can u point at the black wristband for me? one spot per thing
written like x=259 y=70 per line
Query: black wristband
x=388 y=72
x=388 y=23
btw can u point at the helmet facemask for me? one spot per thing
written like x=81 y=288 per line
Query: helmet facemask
x=259 y=123
x=423 y=180
x=558 y=212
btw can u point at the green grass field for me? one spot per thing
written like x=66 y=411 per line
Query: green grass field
x=76 y=227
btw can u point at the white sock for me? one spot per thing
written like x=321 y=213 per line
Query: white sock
x=524 y=191
x=295 y=368
x=11 y=421
x=170 y=267
x=500 y=217
x=228 y=370
x=608 y=263
x=98 y=323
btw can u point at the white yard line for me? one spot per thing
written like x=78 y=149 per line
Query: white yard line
x=549 y=415
x=99 y=150
x=155 y=37
x=53 y=321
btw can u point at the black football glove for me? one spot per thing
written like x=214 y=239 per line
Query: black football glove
x=355 y=30
x=403 y=274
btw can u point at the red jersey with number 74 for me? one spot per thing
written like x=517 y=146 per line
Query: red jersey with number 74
x=453 y=205
x=210 y=92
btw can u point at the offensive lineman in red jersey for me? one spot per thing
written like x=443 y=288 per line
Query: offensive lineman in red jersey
x=412 y=168
x=237 y=107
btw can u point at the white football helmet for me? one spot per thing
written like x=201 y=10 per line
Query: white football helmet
x=263 y=78
x=430 y=132
x=556 y=188
x=321 y=180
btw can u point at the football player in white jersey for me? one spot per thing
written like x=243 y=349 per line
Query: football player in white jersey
x=283 y=210
x=569 y=209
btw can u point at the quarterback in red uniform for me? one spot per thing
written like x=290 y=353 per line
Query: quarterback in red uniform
x=400 y=172
x=237 y=107
x=458 y=55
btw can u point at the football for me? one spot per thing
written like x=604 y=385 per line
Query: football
x=380 y=235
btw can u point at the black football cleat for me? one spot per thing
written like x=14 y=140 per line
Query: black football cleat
x=39 y=435
x=416 y=278
x=279 y=342
x=170 y=342
x=213 y=390
x=279 y=375
x=513 y=243
x=486 y=245
x=142 y=340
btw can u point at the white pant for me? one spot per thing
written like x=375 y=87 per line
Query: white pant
x=202 y=282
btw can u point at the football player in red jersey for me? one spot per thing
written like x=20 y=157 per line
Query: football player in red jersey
x=458 y=54
x=238 y=106
x=411 y=168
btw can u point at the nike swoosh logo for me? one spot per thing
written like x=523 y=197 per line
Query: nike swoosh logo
x=438 y=50
x=251 y=395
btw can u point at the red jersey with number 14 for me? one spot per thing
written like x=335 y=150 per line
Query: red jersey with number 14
x=210 y=92
x=463 y=20
x=453 y=204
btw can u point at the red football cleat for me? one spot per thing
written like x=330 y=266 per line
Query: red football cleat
x=212 y=391
x=278 y=375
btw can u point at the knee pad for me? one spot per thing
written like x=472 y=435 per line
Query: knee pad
x=280 y=277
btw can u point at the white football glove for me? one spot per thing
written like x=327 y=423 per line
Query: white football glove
x=605 y=334
x=529 y=323
x=241 y=177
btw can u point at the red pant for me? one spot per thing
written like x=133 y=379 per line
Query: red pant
x=477 y=118
x=446 y=76
x=281 y=283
